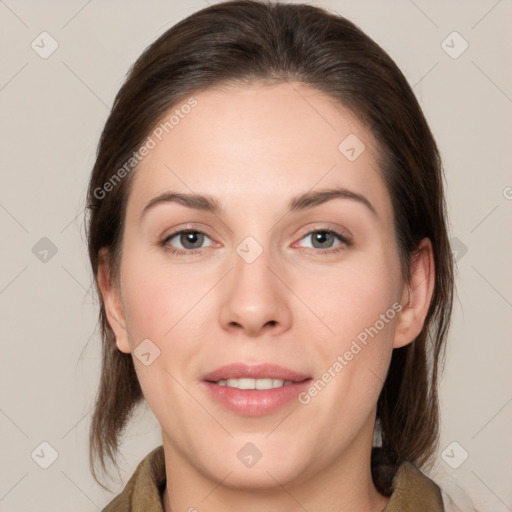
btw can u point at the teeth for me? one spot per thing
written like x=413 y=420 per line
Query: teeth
x=254 y=383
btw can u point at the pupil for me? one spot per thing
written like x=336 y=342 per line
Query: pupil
x=321 y=236
x=192 y=238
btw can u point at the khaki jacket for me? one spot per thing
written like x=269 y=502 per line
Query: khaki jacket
x=413 y=491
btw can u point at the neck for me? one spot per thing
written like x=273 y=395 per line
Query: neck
x=344 y=485
x=291 y=499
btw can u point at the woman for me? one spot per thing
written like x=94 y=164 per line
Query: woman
x=267 y=229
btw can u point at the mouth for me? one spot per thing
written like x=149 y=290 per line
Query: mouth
x=247 y=383
x=254 y=390
x=260 y=376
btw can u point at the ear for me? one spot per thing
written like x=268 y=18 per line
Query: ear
x=112 y=299
x=416 y=304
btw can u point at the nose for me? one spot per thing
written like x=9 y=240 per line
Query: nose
x=254 y=298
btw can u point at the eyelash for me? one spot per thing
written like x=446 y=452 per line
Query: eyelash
x=345 y=242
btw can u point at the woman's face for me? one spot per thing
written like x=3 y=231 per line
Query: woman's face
x=280 y=273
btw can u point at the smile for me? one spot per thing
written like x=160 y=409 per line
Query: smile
x=247 y=383
x=254 y=390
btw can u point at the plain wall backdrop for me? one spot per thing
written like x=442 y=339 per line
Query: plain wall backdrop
x=62 y=63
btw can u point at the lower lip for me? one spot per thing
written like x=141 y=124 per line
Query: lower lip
x=255 y=402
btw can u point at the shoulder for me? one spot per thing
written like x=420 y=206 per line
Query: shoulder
x=143 y=490
x=413 y=490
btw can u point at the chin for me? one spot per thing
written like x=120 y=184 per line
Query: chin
x=261 y=477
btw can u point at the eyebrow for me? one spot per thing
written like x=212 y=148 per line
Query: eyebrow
x=302 y=202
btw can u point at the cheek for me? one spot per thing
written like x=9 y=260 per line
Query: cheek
x=358 y=309
x=155 y=299
x=351 y=297
x=163 y=304
x=358 y=305
x=160 y=305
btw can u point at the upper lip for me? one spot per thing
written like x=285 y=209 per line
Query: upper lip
x=258 y=371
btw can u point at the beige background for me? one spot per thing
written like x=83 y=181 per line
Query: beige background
x=52 y=111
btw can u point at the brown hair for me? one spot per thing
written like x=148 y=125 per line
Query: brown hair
x=245 y=41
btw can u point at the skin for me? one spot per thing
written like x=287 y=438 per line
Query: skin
x=253 y=148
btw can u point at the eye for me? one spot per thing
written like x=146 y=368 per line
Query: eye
x=191 y=241
x=324 y=241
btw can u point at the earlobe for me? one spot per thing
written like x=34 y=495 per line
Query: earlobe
x=112 y=301
x=416 y=302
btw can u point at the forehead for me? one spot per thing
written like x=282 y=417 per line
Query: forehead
x=259 y=144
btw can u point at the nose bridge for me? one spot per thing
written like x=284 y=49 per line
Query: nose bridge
x=252 y=278
x=254 y=297
x=253 y=253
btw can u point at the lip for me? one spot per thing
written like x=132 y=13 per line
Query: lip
x=253 y=402
x=258 y=371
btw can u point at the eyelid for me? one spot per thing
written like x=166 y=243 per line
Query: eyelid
x=190 y=226
x=343 y=233
x=174 y=233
